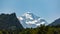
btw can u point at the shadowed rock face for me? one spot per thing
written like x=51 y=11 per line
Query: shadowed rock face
x=55 y=23
x=10 y=22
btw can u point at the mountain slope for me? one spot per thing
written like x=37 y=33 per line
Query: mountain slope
x=55 y=23
x=9 y=22
x=29 y=20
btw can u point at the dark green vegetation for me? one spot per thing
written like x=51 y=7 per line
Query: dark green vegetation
x=39 y=30
x=9 y=24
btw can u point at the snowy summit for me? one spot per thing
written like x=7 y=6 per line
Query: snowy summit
x=29 y=20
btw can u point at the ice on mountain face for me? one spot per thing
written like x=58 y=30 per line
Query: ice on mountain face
x=37 y=24
x=28 y=16
x=20 y=18
x=42 y=22
x=29 y=20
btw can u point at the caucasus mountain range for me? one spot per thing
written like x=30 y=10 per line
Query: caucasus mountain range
x=27 y=20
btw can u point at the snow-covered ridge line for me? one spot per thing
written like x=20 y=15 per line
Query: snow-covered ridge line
x=29 y=20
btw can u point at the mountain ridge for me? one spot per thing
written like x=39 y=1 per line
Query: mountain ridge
x=30 y=20
x=55 y=23
x=9 y=22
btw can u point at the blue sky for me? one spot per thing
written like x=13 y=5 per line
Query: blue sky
x=47 y=9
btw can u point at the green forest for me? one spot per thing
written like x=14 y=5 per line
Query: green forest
x=39 y=30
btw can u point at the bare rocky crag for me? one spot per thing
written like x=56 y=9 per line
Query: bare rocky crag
x=9 y=22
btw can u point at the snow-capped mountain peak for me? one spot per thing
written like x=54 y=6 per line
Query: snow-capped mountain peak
x=28 y=15
x=29 y=20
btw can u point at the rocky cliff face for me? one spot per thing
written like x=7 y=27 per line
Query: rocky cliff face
x=9 y=21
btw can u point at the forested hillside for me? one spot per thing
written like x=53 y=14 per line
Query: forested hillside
x=39 y=30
